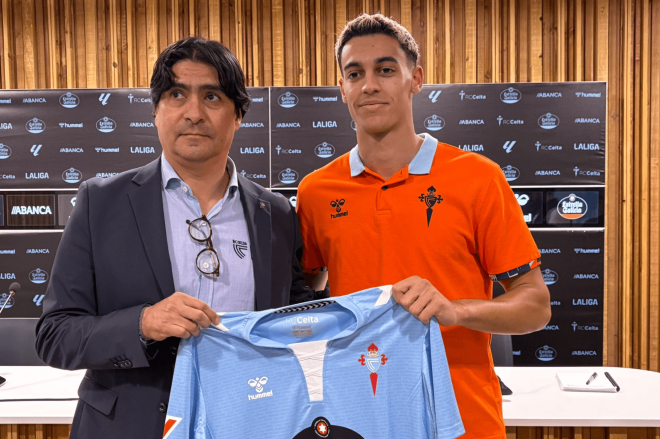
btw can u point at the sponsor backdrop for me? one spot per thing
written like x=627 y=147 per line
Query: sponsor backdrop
x=549 y=140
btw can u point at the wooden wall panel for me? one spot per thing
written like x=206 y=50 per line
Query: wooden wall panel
x=114 y=43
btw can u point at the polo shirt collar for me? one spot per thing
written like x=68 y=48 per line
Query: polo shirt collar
x=420 y=164
x=169 y=175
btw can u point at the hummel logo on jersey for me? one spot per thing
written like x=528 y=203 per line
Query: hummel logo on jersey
x=104 y=98
x=508 y=146
x=430 y=199
x=337 y=204
x=258 y=384
x=373 y=363
x=239 y=248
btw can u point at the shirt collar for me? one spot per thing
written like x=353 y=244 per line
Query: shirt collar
x=420 y=164
x=169 y=175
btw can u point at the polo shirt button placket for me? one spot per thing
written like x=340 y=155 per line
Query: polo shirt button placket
x=162 y=407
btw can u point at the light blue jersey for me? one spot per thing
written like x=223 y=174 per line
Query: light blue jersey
x=357 y=366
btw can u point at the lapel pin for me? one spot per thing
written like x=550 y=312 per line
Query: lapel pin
x=262 y=205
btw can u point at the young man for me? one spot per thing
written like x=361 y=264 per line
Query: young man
x=439 y=223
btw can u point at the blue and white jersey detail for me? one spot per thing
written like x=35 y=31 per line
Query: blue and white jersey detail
x=357 y=366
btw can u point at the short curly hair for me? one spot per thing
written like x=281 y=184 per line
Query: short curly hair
x=230 y=74
x=377 y=24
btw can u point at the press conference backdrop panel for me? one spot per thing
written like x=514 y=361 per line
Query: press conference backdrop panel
x=549 y=140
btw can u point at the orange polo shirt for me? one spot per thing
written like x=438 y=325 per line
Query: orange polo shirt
x=449 y=217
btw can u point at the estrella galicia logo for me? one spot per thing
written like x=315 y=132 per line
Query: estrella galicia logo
x=430 y=199
x=69 y=100
x=106 y=125
x=239 y=248
x=38 y=298
x=549 y=277
x=546 y=353
x=72 y=175
x=5 y=151
x=572 y=207
x=434 y=123
x=288 y=100
x=510 y=96
x=511 y=173
x=324 y=150
x=6 y=300
x=288 y=176
x=35 y=125
x=353 y=125
x=548 y=121
x=38 y=276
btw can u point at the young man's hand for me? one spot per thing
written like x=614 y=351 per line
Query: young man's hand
x=419 y=297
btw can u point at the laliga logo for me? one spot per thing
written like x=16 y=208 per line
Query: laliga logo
x=72 y=175
x=434 y=123
x=546 y=353
x=572 y=207
x=288 y=176
x=510 y=96
x=38 y=276
x=69 y=100
x=288 y=100
x=548 y=121
x=324 y=150
x=106 y=125
x=35 y=125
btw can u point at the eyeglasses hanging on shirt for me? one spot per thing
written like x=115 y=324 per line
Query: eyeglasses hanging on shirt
x=207 y=260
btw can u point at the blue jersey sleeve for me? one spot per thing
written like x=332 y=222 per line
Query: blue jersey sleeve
x=444 y=417
x=186 y=414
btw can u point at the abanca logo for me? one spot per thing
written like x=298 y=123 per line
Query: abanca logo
x=548 y=121
x=572 y=207
x=72 y=175
x=434 y=123
x=546 y=353
x=35 y=125
x=288 y=100
x=69 y=100
x=106 y=125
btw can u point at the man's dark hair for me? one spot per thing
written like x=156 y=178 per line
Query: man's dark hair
x=377 y=24
x=230 y=74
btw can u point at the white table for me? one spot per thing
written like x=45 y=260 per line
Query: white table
x=537 y=400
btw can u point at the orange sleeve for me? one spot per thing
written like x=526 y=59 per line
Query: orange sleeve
x=312 y=260
x=503 y=239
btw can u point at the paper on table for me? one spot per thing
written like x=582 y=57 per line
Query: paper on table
x=577 y=382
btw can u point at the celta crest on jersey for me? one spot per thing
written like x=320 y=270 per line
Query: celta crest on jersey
x=373 y=363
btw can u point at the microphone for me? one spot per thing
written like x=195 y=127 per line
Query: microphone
x=13 y=289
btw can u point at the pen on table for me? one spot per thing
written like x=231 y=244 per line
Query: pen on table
x=591 y=378
x=609 y=377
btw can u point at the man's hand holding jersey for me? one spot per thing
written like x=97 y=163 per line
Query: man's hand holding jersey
x=524 y=308
x=180 y=315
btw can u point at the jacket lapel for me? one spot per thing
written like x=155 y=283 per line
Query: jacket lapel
x=147 y=203
x=259 y=229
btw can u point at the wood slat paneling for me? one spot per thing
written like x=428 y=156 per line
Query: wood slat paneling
x=114 y=43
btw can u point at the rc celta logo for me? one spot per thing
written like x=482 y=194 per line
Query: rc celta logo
x=288 y=100
x=549 y=277
x=373 y=361
x=5 y=151
x=511 y=173
x=288 y=176
x=548 y=121
x=69 y=100
x=38 y=276
x=510 y=96
x=106 y=125
x=35 y=126
x=546 y=353
x=572 y=207
x=324 y=150
x=72 y=175
x=434 y=123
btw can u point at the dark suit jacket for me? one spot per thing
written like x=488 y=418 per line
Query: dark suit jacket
x=113 y=260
